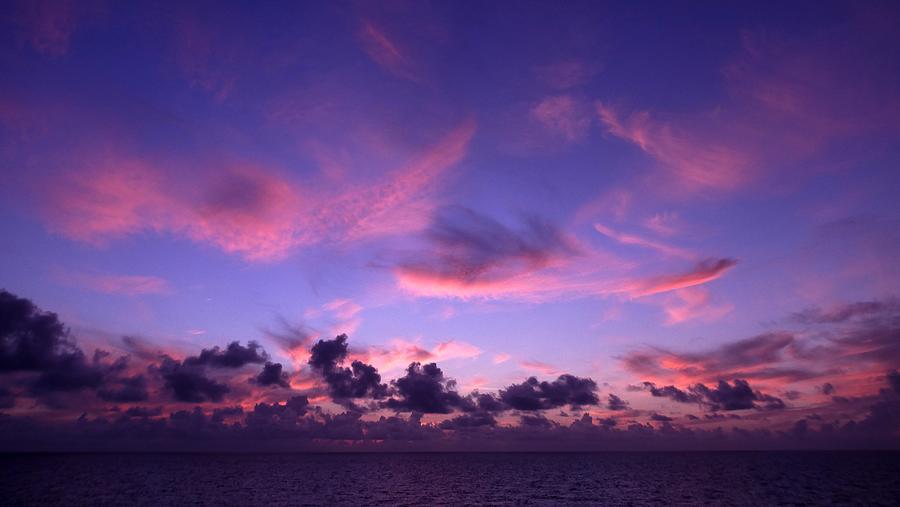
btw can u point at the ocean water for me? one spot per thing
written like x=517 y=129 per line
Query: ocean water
x=763 y=478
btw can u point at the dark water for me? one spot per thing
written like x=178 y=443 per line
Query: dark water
x=838 y=478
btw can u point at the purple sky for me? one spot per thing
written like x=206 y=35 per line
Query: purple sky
x=682 y=217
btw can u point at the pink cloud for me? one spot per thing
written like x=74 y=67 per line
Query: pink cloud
x=697 y=156
x=203 y=56
x=501 y=358
x=789 y=99
x=539 y=367
x=256 y=213
x=129 y=285
x=563 y=115
x=692 y=303
x=705 y=271
x=399 y=353
x=400 y=202
x=387 y=51
x=631 y=239
x=566 y=74
x=47 y=25
x=664 y=224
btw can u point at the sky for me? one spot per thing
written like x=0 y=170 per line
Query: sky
x=449 y=225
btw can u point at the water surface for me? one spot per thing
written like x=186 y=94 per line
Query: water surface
x=764 y=478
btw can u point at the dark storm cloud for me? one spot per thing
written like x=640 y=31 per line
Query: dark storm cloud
x=361 y=380
x=189 y=383
x=827 y=389
x=466 y=247
x=271 y=375
x=565 y=390
x=235 y=355
x=424 y=389
x=125 y=390
x=616 y=403
x=660 y=418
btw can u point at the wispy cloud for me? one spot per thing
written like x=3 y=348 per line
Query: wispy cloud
x=387 y=51
x=257 y=213
x=703 y=272
x=128 y=285
x=539 y=366
x=632 y=239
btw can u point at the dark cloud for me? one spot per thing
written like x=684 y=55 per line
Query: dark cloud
x=469 y=248
x=189 y=383
x=671 y=392
x=295 y=425
x=536 y=422
x=35 y=341
x=893 y=378
x=616 y=403
x=291 y=336
x=424 y=389
x=32 y=340
x=565 y=390
x=125 y=390
x=848 y=336
x=7 y=399
x=846 y=312
x=724 y=396
x=235 y=355
x=828 y=389
x=464 y=421
x=144 y=412
x=221 y=414
x=485 y=402
x=359 y=381
x=271 y=375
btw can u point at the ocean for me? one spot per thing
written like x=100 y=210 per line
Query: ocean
x=666 y=478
